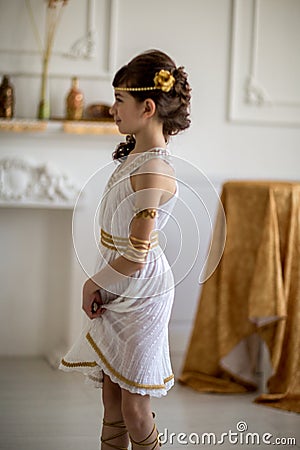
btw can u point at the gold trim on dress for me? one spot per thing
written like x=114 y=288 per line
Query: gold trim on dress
x=95 y=379
x=169 y=378
x=79 y=364
x=118 y=243
x=120 y=376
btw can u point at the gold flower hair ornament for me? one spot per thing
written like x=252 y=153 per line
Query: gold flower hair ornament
x=163 y=80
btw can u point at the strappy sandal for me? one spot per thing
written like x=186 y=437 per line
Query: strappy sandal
x=119 y=424
x=143 y=443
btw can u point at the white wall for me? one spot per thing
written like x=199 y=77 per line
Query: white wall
x=197 y=34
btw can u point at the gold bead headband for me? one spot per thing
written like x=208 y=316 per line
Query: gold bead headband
x=163 y=80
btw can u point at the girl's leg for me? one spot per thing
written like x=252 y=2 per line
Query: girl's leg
x=136 y=410
x=114 y=433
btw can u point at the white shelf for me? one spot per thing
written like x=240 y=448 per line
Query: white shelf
x=36 y=205
x=58 y=126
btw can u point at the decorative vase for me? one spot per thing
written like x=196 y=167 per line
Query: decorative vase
x=54 y=11
x=7 y=99
x=74 y=102
x=44 y=104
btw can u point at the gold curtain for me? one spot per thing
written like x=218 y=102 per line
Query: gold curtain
x=253 y=295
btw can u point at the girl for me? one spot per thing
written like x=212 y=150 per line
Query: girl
x=125 y=347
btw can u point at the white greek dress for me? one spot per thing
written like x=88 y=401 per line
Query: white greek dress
x=129 y=342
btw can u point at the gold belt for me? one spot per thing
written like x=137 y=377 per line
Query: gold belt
x=119 y=243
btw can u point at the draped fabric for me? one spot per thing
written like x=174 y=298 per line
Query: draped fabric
x=252 y=297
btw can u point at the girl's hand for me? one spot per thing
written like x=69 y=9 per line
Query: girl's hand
x=91 y=300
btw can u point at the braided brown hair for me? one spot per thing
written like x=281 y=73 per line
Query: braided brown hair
x=172 y=107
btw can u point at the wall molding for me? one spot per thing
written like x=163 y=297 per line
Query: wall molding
x=85 y=46
x=23 y=183
x=91 y=55
x=252 y=97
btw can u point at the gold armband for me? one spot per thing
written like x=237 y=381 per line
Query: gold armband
x=146 y=214
x=137 y=249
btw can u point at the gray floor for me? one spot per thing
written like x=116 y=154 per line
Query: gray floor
x=44 y=409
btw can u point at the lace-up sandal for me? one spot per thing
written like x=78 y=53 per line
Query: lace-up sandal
x=120 y=425
x=144 y=442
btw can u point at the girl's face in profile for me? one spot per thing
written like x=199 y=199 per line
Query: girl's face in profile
x=127 y=112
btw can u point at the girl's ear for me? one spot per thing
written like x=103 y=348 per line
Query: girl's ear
x=149 y=108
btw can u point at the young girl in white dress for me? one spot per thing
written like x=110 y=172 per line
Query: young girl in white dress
x=125 y=347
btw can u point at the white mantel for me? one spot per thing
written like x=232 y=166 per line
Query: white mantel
x=40 y=278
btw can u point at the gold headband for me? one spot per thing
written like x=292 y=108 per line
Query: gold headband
x=163 y=80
